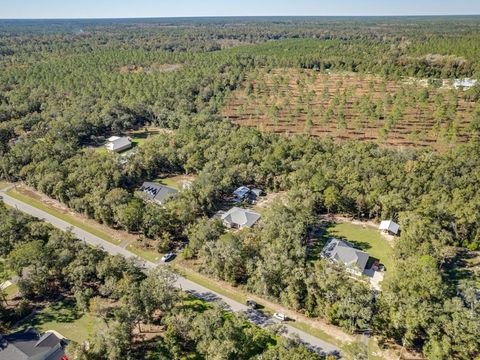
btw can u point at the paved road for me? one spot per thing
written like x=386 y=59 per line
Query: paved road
x=185 y=284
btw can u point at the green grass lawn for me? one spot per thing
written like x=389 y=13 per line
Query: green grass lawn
x=366 y=238
x=65 y=217
x=64 y=318
x=137 y=141
x=171 y=182
x=3 y=185
x=11 y=290
x=149 y=255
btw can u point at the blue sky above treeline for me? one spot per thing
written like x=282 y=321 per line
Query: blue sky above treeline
x=185 y=8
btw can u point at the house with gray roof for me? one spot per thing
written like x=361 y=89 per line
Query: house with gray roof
x=238 y=218
x=29 y=344
x=157 y=192
x=118 y=144
x=342 y=252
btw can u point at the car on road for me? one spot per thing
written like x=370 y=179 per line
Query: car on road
x=252 y=304
x=168 y=257
x=280 y=316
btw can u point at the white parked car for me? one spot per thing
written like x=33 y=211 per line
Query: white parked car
x=280 y=316
x=168 y=257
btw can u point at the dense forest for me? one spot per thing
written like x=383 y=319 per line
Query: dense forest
x=64 y=88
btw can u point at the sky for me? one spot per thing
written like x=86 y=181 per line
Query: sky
x=27 y=9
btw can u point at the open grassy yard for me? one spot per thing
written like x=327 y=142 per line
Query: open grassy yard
x=365 y=237
x=177 y=181
x=65 y=319
x=149 y=255
x=11 y=291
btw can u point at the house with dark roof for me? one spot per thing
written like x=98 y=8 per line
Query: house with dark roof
x=390 y=227
x=118 y=144
x=238 y=218
x=29 y=344
x=157 y=192
x=342 y=252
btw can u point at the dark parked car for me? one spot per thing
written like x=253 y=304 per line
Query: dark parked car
x=252 y=304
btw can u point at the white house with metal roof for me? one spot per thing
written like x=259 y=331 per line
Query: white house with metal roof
x=238 y=218
x=118 y=144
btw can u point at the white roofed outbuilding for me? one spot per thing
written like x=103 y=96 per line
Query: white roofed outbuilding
x=390 y=227
x=118 y=144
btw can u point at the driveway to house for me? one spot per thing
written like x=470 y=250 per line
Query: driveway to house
x=186 y=285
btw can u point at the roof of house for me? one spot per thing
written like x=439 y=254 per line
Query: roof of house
x=241 y=192
x=241 y=217
x=31 y=345
x=157 y=192
x=343 y=252
x=389 y=225
x=113 y=138
x=120 y=143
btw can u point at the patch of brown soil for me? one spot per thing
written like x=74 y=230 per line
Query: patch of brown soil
x=343 y=107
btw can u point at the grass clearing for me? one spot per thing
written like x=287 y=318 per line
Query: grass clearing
x=149 y=255
x=365 y=237
x=178 y=182
x=65 y=319
x=65 y=217
x=11 y=291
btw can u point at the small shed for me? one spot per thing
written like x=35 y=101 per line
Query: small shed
x=390 y=227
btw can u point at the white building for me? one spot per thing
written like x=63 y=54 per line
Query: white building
x=390 y=227
x=239 y=218
x=464 y=84
x=118 y=144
